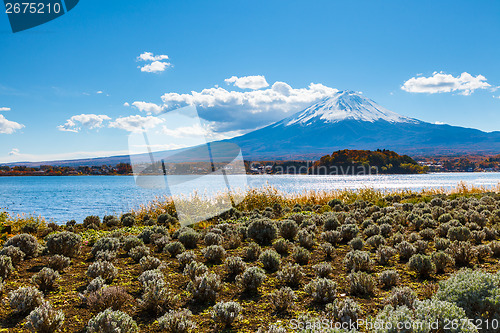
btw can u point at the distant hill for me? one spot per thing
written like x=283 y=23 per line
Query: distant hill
x=346 y=162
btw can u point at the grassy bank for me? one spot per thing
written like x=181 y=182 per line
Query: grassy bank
x=285 y=260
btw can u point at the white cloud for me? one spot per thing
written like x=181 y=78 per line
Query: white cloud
x=14 y=152
x=440 y=82
x=439 y=123
x=248 y=82
x=135 y=123
x=100 y=92
x=126 y=104
x=236 y=110
x=150 y=108
x=90 y=121
x=4 y=109
x=157 y=63
x=149 y=56
x=160 y=147
x=155 y=67
x=8 y=127
x=186 y=131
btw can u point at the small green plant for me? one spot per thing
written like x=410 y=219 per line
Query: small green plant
x=322 y=290
x=226 y=312
x=251 y=279
x=45 y=319
x=177 y=321
x=110 y=321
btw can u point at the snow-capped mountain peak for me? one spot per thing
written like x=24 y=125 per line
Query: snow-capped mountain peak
x=345 y=105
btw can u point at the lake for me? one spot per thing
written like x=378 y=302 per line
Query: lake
x=75 y=197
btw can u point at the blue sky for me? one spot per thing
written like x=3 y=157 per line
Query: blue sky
x=432 y=60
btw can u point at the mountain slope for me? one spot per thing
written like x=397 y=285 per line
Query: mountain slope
x=346 y=120
x=349 y=120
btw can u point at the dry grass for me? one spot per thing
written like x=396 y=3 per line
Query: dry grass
x=260 y=198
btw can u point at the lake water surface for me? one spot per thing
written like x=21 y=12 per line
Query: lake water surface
x=75 y=197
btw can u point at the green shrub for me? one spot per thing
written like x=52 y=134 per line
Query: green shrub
x=348 y=232
x=234 y=266
x=46 y=279
x=306 y=239
x=283 y=299
x=301 y=255
x=290 y=274
x=441 y=260
x=263 y=231
x=388 y=278
x=189 y=238
x=111 y=221
x=185 y=258
x=405 y=250
x=322 y=290
x=323 y=270
x=110 y=321
x=177 y=321
x=477 y=292
x=270 y=259
x=361 y=284
x=114 y=297
x=356 y=243
x=65 y=243
x=251 y=279
x=157 y=298
x=25 y=299
x=211 y=238
x=138 y=252
x=214 y=253
x=106 y=244
x=105 y=255
x=130 y=242
x=92 y=222
x=26 y=243
x=128 y=220
x=174 y=248
x=226 y=312
x=422 y=265
x=6 y=267
x=463 y=253
x=45 y=319
x=194 y=269
x=59 y=262
x=167 y=220
x=205 y=288
x=345 y=311
x=442 y=244
x=385 y=254
x=331 y=222
x=148 y=263
x=328 y=250
x=252 y=252
x=333 y=237
x=461 y=234
x=15 y=254
x=401 y=296
x=358 y=261
x=151 y=275
x=104 y=269
x=282 y=246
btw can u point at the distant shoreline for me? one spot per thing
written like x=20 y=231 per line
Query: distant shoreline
x=264 y=174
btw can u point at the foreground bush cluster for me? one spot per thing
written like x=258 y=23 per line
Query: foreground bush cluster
x=414 y=259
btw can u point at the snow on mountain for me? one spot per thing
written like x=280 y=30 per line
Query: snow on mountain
x=345 y=105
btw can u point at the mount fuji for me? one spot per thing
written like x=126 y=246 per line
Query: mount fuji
x=348 y=120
